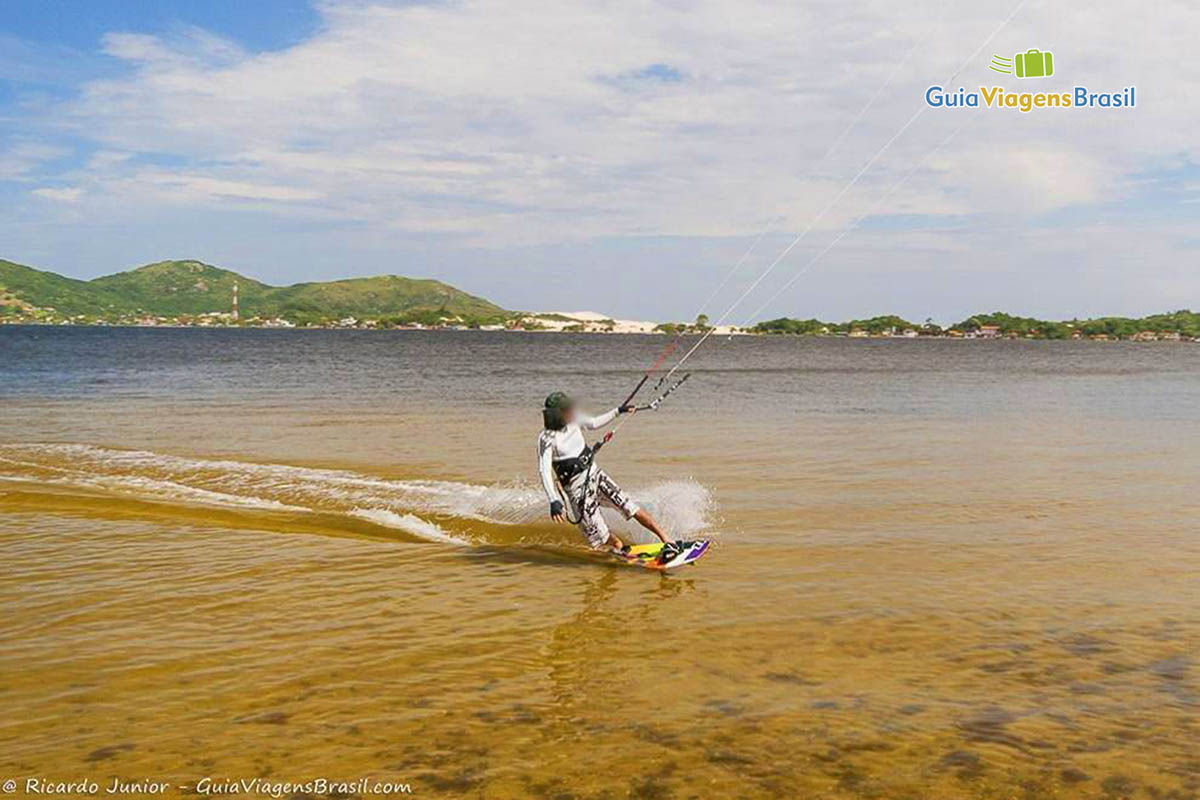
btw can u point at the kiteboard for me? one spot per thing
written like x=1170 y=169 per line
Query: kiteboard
x=662 y=557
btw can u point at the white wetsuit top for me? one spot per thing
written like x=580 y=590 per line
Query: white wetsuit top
x=566 y=442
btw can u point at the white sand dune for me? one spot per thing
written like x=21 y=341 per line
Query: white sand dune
x=594 y=321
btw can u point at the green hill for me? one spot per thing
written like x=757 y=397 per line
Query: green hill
x=21 y=285
x=378 y=296
x=173 y=288
x=182 y=287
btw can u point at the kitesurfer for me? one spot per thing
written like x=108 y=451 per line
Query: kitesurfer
x=564 y=456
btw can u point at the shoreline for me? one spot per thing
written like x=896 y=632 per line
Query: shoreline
x=489 y=329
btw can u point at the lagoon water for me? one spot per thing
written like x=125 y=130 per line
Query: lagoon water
x=942 y=569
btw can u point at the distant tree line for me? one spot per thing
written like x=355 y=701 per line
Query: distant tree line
x=1185 y=323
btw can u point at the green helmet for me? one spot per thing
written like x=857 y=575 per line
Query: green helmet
x=554 y=413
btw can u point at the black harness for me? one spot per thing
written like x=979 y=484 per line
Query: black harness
x=567 y=469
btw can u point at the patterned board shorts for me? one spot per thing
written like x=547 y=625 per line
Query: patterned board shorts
x=604 y=492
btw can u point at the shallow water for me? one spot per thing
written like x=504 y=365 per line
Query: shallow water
x=942 y=569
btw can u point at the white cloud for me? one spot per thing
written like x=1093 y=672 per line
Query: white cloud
x=1033 y=179
x=63 y=195
x=185 y=188
x=564 y=115
x=105 y=159
x=23 y=158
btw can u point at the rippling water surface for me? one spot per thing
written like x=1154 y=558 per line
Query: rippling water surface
x=942 y=569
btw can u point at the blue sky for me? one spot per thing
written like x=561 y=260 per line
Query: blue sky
x=82 y=24
x=620 y=158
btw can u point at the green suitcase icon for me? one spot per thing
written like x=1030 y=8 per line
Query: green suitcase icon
x=1035 y=64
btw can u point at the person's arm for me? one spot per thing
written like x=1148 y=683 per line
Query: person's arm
x=592 y=423
x=546 y=471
